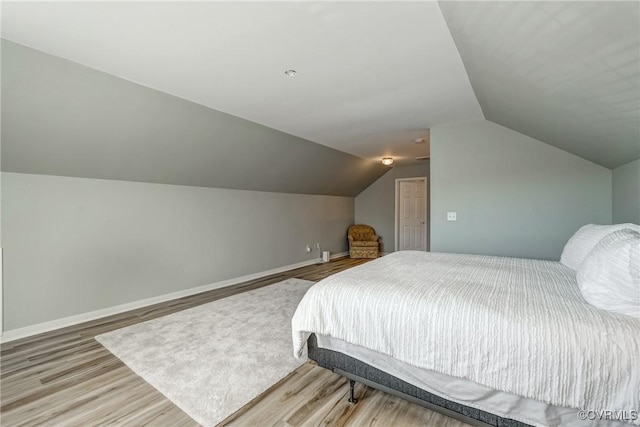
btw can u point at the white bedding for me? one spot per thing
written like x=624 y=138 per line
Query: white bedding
x=468 y=393
x=515 y=325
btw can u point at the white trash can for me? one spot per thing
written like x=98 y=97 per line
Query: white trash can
x=326 y=256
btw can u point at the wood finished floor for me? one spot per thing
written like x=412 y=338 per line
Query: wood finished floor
x=66 y=378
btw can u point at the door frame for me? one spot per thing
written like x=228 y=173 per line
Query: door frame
x=397 y=210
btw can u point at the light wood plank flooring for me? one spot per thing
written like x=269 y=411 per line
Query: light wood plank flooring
x=66 y=377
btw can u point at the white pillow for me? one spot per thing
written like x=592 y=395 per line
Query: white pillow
x=609 y=277
x=585 y=239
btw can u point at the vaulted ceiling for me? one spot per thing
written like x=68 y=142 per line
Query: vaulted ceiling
x=566 y=73
x=61 y=118
x=371 y=76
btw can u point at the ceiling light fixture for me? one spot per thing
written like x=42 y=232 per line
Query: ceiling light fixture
x=291 y=73
x=419 y=140
x=387 y=161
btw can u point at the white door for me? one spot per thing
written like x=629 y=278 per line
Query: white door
x=412 y=215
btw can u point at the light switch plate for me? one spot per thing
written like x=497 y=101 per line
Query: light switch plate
x=452 y=216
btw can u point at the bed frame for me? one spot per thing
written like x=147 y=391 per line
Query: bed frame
x=358 y=371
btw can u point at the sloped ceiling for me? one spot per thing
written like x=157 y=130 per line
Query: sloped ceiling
x=372 y=77
x=566 y=73
x=61 y=118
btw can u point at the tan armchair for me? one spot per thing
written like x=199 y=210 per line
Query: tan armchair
x=363 y=242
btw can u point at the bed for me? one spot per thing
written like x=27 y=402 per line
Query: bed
x=488 y=340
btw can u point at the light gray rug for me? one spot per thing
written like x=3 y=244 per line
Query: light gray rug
x=212 y=359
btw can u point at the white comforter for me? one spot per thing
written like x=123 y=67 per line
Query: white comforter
x=515 y=325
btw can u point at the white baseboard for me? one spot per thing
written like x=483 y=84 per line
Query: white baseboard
x=28 y=331
x=339 y=255
x=1 y=292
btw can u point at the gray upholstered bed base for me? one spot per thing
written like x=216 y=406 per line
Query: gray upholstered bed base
x=359 y=371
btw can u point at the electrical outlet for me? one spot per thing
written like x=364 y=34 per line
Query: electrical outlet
x=317 y=245
x=308 y=248
x=452 y=216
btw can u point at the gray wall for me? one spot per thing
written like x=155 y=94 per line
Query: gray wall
x=375 y=205
x=61 y=118
x=74 y=245
x=626 y=193
x=514 y=195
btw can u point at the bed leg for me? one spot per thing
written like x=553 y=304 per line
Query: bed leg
x=352 y=397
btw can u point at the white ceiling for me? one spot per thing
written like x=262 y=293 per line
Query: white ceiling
x=567 y=73
x=372 y=76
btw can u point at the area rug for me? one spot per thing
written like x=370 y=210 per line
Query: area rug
x=213 y=359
